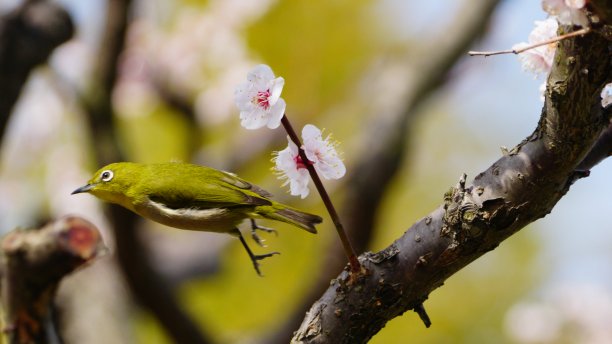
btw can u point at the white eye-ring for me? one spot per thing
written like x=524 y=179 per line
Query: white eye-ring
x=106 y=176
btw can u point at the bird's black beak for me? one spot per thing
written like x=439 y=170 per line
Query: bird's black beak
x=83 y=189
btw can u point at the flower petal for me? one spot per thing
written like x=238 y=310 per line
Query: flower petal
x=276 y=88
x=287 y=167
x=276 y=113
x=261 y=73
x=322 y=153
x=254 y=119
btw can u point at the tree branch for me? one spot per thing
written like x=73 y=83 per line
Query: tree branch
x=28 y=35
x=519 y=188
x=33 y=263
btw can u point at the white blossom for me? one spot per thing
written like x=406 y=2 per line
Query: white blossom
x=259 y=99
x=559 y=316
x=321 y=154
x=539 y=60
x=290 y=166
x=606 y=95
x=567 y=12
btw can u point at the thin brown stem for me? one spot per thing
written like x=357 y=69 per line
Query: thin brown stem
x=580 y=32
x=348 y=249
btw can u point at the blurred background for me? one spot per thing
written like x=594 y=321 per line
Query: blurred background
x=359 y=69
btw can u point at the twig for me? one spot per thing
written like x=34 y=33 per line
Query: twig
x=420 y=310
x=348 y=248
x=580 y=32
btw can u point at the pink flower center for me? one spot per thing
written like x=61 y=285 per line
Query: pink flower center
x=262 y=99
x=300 y=163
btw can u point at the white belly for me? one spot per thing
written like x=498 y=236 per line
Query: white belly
x=208 y=220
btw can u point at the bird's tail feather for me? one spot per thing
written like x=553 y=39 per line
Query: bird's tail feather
x=295 y=217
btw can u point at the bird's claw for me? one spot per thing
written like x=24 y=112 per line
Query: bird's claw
x=255 y=227
x=256 y=257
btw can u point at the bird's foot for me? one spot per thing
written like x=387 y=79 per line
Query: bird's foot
x=255 y=227
x=257 y=257
x=254 y=257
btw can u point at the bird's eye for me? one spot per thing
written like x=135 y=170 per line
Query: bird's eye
x=106 y=176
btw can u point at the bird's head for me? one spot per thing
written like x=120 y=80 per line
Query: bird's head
x=112 y=182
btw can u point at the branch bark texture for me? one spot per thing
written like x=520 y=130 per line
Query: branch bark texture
x=517 y=189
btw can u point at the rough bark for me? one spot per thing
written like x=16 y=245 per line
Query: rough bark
x=519 y=188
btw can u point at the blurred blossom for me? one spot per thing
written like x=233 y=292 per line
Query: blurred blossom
x=200 y=57
x=34 y=123
x=64 y=173
x=539 y=60
x=606 y=95
x=41 y=164
x=211 y=101
x=533 y=323
x=568 y=12
x=258 y=99
x=73 y=62
x=576 y=313
x=134 y=94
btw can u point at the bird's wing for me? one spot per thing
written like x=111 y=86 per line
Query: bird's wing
x=214 y=189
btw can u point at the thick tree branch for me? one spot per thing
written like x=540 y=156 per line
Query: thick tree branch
x=33 y=263
x=28 y=35
x=519 y=188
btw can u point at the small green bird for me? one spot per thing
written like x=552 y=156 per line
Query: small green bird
x=193 y=197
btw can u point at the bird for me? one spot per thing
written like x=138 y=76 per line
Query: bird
x=194 y=197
